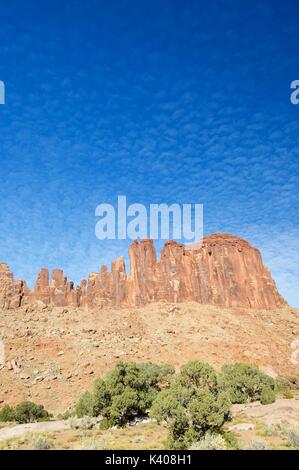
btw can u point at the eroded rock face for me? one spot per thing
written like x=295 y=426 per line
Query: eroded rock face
x=12 y=293
x=225 y=270
x=41 y=289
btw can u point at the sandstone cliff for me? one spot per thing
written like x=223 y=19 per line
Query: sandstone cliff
x=226 y=271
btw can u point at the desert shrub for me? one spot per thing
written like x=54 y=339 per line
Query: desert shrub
x=288 y=394
x=127 y=392
x=290 y=382
x=87 y=423
x=286 y=386
x=293 y=438
x=85 y=406
x=41 y=443
x=267 y=396
x=258 y=445
x=209 y=442
x=7 y=413
x=246 y=383
x=94 y=444
x=231 y=440
x=104 y=424
x=276 y=430
x=192 y=406
x=66 y=415
x=29 y=412
x=74 y=423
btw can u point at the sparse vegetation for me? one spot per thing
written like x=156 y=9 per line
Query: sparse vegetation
x=271 y=431
x=210 y=442
x=94 y=444
x=66 y=414
x=287 y=387
x=288 y=394
x=86 y=423
x=293 y=438
x=258 y=445
x=41 y=443
x=195 y=405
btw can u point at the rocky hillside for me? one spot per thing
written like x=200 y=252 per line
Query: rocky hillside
x=52 y=354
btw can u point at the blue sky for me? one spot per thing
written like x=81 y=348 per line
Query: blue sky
x=162 y=101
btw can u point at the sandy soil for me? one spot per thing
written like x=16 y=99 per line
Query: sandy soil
x=44 y=427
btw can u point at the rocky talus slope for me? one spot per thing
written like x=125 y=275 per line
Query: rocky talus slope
x=52 y=354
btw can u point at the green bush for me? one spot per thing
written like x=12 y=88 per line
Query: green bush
x=193 y=403
x=267 y=396
x=127 y=392
x=29 y=412
x=25 y=412
x=7 y=414
x=231 y=440
x=85 y=406
x=198 y=374
x=192 y=406
x=246 y=383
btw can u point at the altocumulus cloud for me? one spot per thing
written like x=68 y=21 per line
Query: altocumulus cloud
x=168 y=103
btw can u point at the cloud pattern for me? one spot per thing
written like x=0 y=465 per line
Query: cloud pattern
x=160 y=101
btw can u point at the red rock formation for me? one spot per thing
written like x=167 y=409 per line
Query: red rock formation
x=142 y=282
x=41 y=291
x=12 y=293
x=225 y=270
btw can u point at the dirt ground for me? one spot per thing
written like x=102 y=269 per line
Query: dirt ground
x=252 y=425
x=51 y=355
